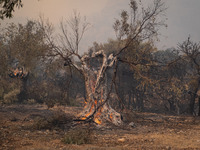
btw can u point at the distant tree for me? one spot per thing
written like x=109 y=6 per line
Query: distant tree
x=191 y=55
x=139 y=25
x=7 y=7
x=170 y=76
x=23 y=46
x=178 y=76
x=136 y=32
x=25 y=43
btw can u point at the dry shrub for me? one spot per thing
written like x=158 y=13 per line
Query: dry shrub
x=30 y=101
x=11 y=97
x=50 y=103
x=57 y=121
x=78 y=136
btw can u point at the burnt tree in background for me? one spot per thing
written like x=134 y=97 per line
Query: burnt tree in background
x=21 y=74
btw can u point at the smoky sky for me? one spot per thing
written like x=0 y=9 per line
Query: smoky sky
x=183 y=18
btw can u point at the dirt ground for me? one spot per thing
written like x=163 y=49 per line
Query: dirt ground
x=23 y=127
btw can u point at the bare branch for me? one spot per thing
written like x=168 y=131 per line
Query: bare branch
x=140 y=27
x=73 y=31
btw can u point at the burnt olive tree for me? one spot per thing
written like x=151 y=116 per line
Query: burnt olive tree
x=140 y=25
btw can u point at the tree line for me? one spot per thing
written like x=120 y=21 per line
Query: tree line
x=146 y=79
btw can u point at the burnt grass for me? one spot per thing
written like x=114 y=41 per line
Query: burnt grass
x=35 y=127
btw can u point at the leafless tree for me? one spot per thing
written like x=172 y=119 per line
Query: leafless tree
x=142 y=23
x=7 y=7
x=191 y=55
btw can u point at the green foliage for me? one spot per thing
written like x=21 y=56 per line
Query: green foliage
x=9 y=90
x=8 y=6
x=21 y=45
x=26 y=43
x=78 y=136
x=141 y=23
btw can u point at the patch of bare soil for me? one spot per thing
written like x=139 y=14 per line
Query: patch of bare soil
x=34 y=127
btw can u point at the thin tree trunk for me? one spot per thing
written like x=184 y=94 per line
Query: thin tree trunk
x=129 y=99
x=23 y=94
x=134 y=100
x=192 y=102
x=193 y=97
x=171 y=105
x=199 y=107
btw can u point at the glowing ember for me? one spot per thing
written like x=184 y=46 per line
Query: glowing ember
x=92 y=107
x=97 y=121
x=88 y=114
x=91 y=110
x=111 y=116
x=83 y=118
x=18 y=72
x=95 y=102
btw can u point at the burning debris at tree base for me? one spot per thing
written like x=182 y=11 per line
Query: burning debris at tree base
x=99 y=115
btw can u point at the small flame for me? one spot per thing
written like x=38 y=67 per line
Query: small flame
x=95 y=102
x=88 y=114
x=96 y=117
x=98 y=113
x=111 y=116
x=83 y=118
x=97 y=121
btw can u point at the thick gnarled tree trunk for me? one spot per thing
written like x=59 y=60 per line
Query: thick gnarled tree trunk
x=98 y=89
